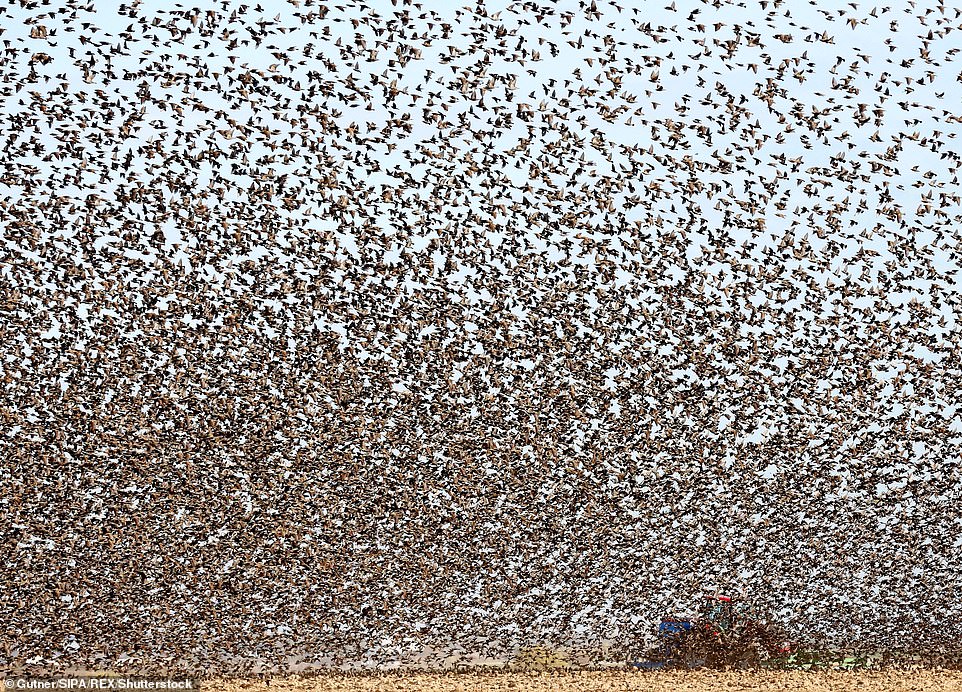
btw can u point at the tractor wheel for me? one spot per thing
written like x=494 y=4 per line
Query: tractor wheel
x=701 y=648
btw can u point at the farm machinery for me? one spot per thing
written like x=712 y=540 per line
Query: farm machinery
x=724 y=633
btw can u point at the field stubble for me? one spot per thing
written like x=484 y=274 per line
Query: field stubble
x=605 y=681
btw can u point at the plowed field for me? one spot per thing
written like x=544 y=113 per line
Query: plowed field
x=608 y=681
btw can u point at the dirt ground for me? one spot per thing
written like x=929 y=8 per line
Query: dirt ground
x=608 y=681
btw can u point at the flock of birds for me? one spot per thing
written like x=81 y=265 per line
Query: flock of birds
x=350 y=332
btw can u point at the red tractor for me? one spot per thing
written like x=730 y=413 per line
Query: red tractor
x=725 y=633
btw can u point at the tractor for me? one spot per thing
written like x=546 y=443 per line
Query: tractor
x=724 y=634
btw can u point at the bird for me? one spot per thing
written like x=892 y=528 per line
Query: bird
x=366 y=335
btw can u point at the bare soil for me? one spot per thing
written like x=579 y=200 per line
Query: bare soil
x=606 y=681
